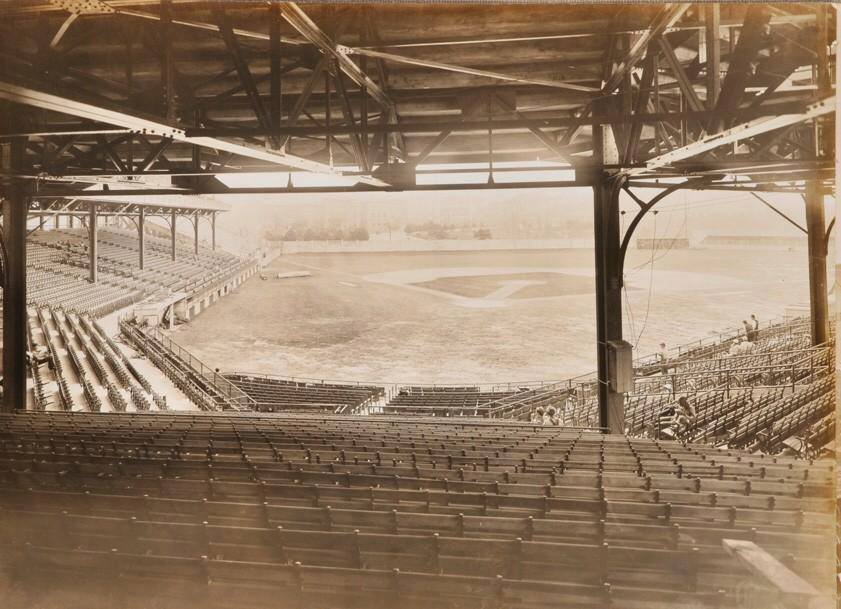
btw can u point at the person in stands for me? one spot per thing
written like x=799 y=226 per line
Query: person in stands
x=755 y=323
x=748 y=330
x=675 y=420
x=663 y=358
x=537 y=416
x=685 y=415
x=37 y=357
x=554 y=418
x=547 y=416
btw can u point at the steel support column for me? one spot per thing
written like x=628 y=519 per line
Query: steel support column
x=213 y=231
x=606 y=188
x=93 y=254
x=818 y=300
x=713 y=59
x=275 y=71
x=172 y=232
x=167 y=67
x=141 y=238
x=608 y=296
x=15 y=205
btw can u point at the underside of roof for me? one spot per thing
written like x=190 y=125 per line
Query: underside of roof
x=742 y=94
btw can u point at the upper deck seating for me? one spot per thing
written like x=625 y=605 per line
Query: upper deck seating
x=57 y=269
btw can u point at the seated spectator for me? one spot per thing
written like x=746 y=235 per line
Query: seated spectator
x=686 y=412
x=537 y=416
x=37 y=357
x=552 y=414
x=676 y=421
x=547 y=417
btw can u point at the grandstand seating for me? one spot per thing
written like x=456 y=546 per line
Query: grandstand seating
x=324 y=511
x=201 y=384
x=443 y=401
x=79 y=353
x=518 y=404
x=57 y=270
x=759 y=420
x=274 y=394
x=736 y=398
x=767 y=338
x=797 y=420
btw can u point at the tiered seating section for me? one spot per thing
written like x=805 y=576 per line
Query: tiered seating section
x=278 y=394
x=444 y=401
x=52 y=280
x=439 y=401
x=57 y=269
x=758 y=401
x=766 y=339
x=776 y=397
x=84 y=369
x=202 y=385
x=297 y=511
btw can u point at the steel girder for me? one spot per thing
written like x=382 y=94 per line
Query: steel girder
x=655 y=125
x=140 y=125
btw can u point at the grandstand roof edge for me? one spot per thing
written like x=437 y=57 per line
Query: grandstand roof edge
x=175 y=202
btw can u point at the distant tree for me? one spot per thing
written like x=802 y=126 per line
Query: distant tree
x=335 y=234
x=360 y=233
x=274 y=235
x=482 y=233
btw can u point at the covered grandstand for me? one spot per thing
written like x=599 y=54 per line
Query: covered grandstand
x=276 y=491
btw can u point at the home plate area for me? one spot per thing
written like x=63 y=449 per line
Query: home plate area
x=472 y=286
x=511 y=285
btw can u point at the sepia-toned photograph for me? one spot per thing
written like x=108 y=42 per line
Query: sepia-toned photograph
x=418 y=305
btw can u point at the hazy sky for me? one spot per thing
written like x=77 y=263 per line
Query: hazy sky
x=697 y=213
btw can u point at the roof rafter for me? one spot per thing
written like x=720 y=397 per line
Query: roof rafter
x=40 y=99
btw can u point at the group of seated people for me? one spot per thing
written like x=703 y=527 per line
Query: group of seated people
x=549 y=416
x=741 y=347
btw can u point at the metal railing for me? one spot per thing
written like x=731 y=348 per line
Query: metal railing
x=230 y=395
x=791 y=367
x=684 y=352
x=202 y=284
x=222 y=385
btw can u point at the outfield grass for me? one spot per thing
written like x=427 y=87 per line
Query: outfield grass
x=365 y=316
